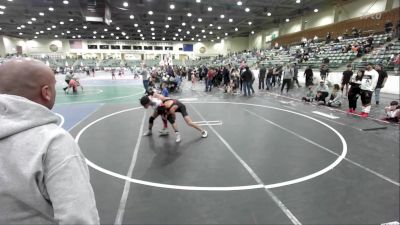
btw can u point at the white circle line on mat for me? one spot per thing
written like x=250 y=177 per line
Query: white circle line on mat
x=228 y=188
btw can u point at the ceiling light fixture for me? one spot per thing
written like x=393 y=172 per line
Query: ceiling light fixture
x=172 y=6
x=66 y=2
x=150 y=12
x=33 y=19
x=189 y=14
x=316 y=10
x=200 y=19
x=166 y=26
x=169 y=18
x=198 y=1
x=222 y=16
x=41 y=14
x=287 y=20
x=230 y=20
x=239 y=3
x=135 y=25
x=209 y=8
x=151 y=22
x=268 y=14
x=105 y=29
x=236 y=29
x=125 y=4
x=62 y=22
x=71 y=20
x=131 y=17
x=51 y=9
x=247 y=9
x=183 y=24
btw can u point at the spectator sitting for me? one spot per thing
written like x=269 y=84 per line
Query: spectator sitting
x=393 y=112
x=322 y=93
x=164 y=90
x=388 y=26
x=309 y=96
x=336 y=97
x=354 y=32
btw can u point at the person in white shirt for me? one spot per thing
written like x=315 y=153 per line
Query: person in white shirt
x=368 y=84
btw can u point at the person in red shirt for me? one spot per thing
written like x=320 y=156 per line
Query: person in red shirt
x=210 y=78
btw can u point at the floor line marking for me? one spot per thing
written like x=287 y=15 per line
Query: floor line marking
x=154 y=184
x=61 y=118
x=108 y=99
x=331 y=116
x=326 y=149
x=230 y=188
x=124 y=197
x=282 y=206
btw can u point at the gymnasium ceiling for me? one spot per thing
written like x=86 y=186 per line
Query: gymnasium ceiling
x=31 y=19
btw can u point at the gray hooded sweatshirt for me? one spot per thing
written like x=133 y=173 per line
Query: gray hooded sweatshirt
x=43 y=175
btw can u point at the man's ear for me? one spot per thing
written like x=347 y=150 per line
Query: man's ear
x=45 y=92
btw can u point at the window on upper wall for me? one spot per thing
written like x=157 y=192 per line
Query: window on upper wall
x=104 y=47
x=115 y=47
x=169 y=48
x=92 y=46
x=148 y=47
x=135 y=47
x=158 y=48
x=127 y=47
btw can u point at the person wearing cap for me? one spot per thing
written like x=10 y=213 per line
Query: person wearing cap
x=368 y=84
x=322 y=92
x=383 y=76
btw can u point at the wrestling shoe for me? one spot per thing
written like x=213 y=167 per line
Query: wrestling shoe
x=204 y=134
x=148 y=133
x=163 y=132
x=178 y=137
x=364 y=115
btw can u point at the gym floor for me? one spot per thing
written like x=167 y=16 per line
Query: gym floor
x=269 y=159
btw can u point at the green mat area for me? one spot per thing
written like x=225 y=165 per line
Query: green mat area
x=101 y=94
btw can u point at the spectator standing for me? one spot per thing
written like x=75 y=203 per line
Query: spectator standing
x=309 y=75
x=210 y=77
x=261 y=78
x=247 y=81
x=346 y=78
x=296 y=75
x=368 y=84
x=226 y=77
x=145 y=77
x=270 y=75
x=383 y=76
x=324 y=72
x=354 y=91
x=287 y=78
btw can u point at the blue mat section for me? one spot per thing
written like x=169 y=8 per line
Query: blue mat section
x=73 y=114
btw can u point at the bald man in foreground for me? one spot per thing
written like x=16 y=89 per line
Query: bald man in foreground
x=43 y=175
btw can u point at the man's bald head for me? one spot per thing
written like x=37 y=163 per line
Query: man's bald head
x=28 y=78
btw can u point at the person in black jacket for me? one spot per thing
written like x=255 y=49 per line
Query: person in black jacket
x=308 y=73
x=247 y=81
x=261 y=78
